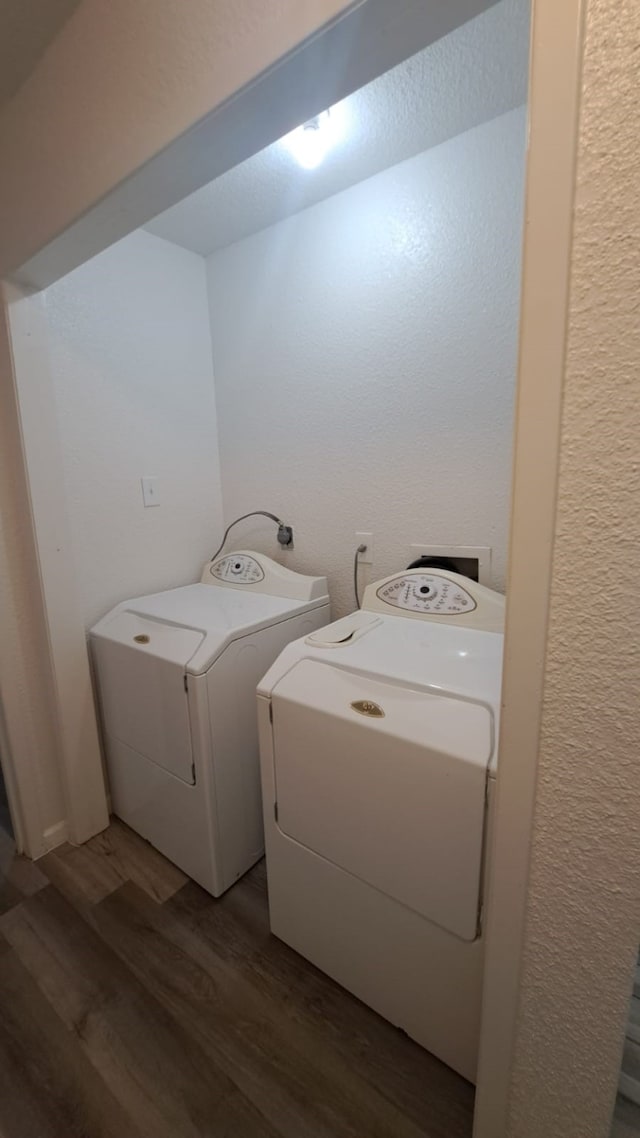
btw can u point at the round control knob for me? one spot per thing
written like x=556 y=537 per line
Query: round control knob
x=236 y=567
x=425 y=590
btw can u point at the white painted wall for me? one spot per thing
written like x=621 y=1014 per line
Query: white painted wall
x=130 y=354
x=197 y=95
x=158 y=74
x=365 y=355
x=474 y=74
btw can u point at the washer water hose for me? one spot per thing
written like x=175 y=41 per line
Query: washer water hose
x=361 y=549
x=285 y=533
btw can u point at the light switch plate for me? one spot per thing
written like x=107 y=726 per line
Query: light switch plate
x=150 y=494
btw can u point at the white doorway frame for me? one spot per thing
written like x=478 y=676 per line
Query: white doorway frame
x=554 y=104
x=15 y=796
x=27 y=733
x=554 y=100
x=73 y=743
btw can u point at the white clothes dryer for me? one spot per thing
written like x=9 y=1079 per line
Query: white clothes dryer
x=176 y=676
x=378 y=753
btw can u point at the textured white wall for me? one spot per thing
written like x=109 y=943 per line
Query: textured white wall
x=197 y=95
x=365 y=355
x=131 y=359
x=142 y=64
x=583 y=912
x=482 y=67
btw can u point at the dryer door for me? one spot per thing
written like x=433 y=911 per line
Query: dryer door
x=388 y=783
x=141 y=674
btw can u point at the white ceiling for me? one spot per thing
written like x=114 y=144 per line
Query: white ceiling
x=26 y=29
x=475 y=73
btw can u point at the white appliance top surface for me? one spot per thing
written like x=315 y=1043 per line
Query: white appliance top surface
x=220 y=614
x=464 y=663
x=461 y=661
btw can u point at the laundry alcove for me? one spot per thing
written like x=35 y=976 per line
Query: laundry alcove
x=337 y=344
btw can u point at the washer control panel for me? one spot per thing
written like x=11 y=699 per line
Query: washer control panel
x=426 y=593
x=246 y=569
x=237 y=569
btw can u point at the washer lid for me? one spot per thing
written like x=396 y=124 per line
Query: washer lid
x=388 y=783
x=194 y=624
x=173 y=643
x=459 y=661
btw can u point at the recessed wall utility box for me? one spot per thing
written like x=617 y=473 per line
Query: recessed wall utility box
x=473 y=561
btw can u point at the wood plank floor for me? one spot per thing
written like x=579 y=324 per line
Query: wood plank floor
x=135 y=1005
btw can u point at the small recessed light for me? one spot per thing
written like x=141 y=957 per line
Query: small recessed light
x=311 y=142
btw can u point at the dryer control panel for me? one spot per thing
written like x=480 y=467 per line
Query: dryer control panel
x=238 y=568
x=437 y=595
x=251 y=571
x=424 y=592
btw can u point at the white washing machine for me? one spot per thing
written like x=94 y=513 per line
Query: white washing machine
x=378 y=742
x=177 y=673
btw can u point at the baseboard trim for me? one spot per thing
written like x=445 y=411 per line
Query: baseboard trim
x=55 y=836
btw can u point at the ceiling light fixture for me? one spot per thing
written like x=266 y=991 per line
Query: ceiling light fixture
x=310 y=143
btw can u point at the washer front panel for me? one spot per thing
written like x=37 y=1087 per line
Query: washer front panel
x=397 y=800
x=426 y=593
x=238 y=569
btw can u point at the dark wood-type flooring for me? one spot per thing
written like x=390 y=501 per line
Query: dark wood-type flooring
x=134 y=1005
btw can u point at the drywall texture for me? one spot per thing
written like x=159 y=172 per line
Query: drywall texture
x=482 y=66
x=25 y=679
x=142 y=64
x=583 y=913
x=131 y=361
x=364 y=357
x=26 y=29
x=133 y=107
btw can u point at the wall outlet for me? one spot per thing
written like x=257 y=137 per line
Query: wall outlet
x=474 y=560
x=150 y=495
x=365 y=558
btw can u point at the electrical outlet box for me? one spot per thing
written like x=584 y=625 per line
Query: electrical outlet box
x=470 y=560
x=365 y=558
